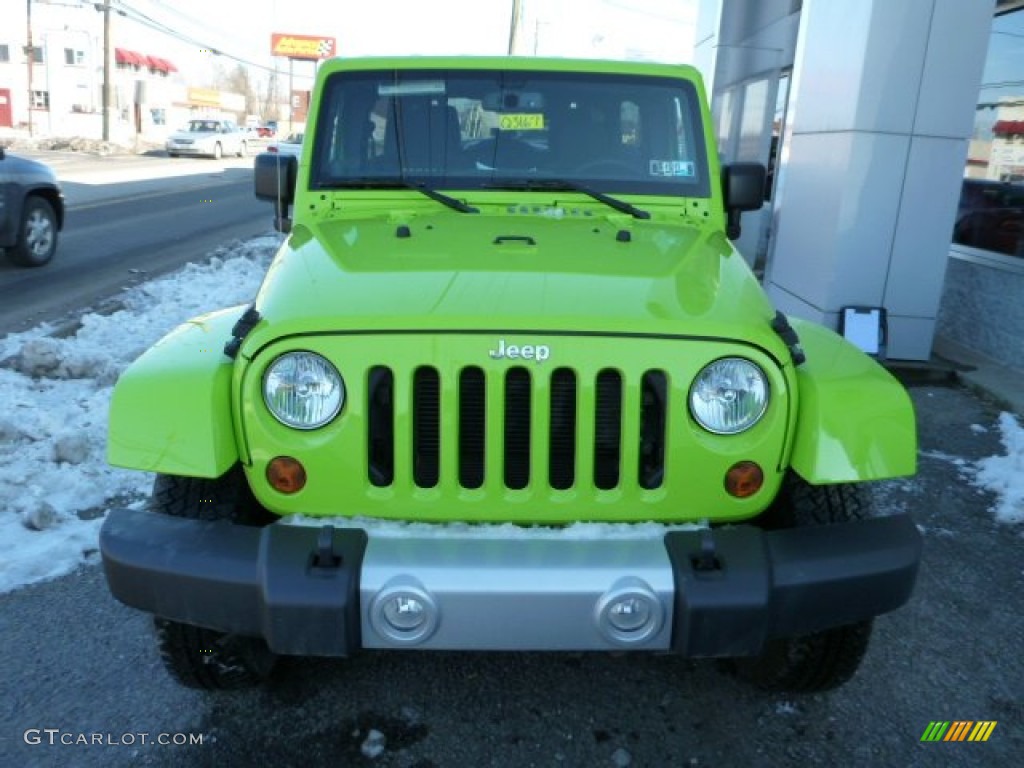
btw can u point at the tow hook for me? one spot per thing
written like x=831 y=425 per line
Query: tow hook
x=325 y=558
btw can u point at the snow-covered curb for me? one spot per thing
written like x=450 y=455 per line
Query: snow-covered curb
x=56 y=395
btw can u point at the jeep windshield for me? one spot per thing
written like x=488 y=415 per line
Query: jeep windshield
x=491 y=129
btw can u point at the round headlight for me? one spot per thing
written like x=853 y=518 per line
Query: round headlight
x=303 y=390
x=729 y=396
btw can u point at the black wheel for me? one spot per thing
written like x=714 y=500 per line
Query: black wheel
x=195 y=656
x=37 y=240
x=823 y=660
x=172 y=154
x=203 y=658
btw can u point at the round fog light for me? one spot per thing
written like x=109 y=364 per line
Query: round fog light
x=403 y=612
x=629 y=613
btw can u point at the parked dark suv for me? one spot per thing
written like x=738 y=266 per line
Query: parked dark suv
x=31 y=210
x=991 y=216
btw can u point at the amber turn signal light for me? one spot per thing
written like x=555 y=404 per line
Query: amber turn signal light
x=286 y=474
x=744 y=479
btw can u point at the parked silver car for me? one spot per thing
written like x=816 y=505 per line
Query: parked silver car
x=209 y=138
x=31 y=210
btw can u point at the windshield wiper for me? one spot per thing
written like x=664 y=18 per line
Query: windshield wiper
x=372 y=182
x=563 y=185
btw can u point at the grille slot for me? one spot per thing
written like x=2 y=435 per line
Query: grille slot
x=557 y=403
x=472 y=427
x=562 y=430
x=517 y=428
x=426 y=427
x=607 y=429
x=653 y=410
x=380 y=427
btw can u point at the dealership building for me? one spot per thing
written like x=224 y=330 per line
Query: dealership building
x=893 y=131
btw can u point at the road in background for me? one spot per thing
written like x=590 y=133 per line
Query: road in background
x=130 y=218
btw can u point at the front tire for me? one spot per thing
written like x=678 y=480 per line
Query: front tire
x=195 y=656
x=824 y=660
x=37 y=238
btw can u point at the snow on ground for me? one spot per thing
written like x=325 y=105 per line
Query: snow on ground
x=1004 y=475
x=56 y=393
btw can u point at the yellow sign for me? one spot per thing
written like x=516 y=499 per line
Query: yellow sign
x=203 y=97
x=522 y=122
x=301 y=46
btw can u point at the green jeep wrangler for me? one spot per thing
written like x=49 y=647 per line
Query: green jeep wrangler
x=508 y=385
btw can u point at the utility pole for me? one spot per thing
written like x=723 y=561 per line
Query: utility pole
x=106 y=70
x=30 y=56
x=514 y=28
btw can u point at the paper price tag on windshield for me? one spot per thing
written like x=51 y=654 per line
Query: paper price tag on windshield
x=521 y=122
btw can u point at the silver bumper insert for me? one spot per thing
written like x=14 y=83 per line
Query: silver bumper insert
x=538 y=594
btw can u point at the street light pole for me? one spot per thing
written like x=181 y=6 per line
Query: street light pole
x=106 y=70
x=514 y=26
x=30 y=56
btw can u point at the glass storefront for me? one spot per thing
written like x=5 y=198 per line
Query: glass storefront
x=990 y=217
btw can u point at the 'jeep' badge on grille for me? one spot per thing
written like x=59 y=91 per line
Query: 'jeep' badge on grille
x=536 y=352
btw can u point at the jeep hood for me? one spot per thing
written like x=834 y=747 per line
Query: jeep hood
x=450 y=272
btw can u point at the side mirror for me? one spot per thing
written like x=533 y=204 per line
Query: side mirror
x=743 y=190
x=274 y=181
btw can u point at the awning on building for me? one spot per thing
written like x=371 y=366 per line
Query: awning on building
x=124 y=56
x=136 y=59
x=1008 y=127
x=161 y=65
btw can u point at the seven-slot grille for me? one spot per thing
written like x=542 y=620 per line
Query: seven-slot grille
x=581 y=427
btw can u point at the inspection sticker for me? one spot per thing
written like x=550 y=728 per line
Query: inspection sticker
x=673 y=168
x=527 y=121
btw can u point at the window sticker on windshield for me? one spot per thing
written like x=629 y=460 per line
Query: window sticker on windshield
x=673 y=168
x=521 y=122
x=411 y=88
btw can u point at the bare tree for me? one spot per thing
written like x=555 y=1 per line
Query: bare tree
x=239 y=80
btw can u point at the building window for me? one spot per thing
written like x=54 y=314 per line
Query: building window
x=5 y=53
x=990 y=216
x=40 y=100
x=74 y=58
x=37 y=54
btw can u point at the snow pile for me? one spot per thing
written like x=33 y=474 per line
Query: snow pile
x=72 y=144
x=56 y=395
x=1004 y=475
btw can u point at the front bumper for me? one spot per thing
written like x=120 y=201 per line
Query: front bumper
x=326 y=591
x=189 y=149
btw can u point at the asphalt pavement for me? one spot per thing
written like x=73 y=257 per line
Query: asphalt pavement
x=85 y=667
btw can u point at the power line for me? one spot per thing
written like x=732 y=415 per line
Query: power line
x=133 y=14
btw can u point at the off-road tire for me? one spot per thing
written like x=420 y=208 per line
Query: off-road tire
x=209 y=660
x=823 y=660
x=195 y=656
